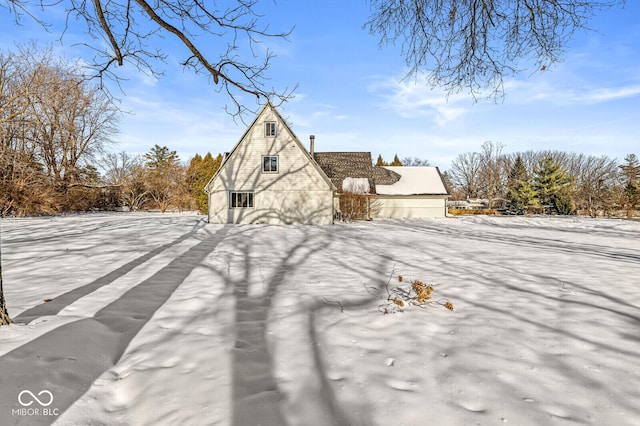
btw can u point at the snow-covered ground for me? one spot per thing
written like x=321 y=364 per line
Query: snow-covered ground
x=167 y=320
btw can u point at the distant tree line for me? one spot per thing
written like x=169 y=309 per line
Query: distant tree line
x=157 y=180
x=53 y=124
x=406 y=161
x=547 y=181
x=54 y=130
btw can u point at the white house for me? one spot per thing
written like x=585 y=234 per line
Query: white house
x=269 y=177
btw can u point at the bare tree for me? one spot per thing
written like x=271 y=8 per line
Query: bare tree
x=494 y=172
x=19 y=78
x=472 y=45
x=465 y=173
x=135 y=191
x=70 y=120
x=596 y=179
x=118 y=167
x=218 y=38
x=414 y=161
x=4 y=313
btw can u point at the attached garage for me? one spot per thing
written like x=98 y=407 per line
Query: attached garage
x=410 y=206
x=418 y=193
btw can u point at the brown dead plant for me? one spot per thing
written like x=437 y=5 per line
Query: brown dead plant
x=412 y=293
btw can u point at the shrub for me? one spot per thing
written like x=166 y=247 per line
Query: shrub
x=357 y=206
x=473 y=211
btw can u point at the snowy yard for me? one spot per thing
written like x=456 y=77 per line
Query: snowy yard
x=167 y=320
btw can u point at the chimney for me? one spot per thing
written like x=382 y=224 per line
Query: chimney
x=312 y=139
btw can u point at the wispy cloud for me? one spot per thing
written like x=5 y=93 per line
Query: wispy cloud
x=412 y=99
x=309 y=114
x=566 y=91
x=609 y=94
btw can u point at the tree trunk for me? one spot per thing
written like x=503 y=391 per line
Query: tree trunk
x=4 y=314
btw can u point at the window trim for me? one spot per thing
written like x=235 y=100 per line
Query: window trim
x=277 y=170
x=270 y=129
x=233 y=199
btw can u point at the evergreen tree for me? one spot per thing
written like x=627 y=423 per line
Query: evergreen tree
x=380 y=161
x=165 y=177
x=396 y=161
x=200 y=171
x=631 y=181
x=521 y=195
x=159 y=157
x=553 y=187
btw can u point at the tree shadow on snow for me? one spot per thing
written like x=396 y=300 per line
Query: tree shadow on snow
x=67 y=360
x=257 y=397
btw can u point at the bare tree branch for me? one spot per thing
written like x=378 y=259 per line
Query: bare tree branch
x=473 y=45
x=220 y=38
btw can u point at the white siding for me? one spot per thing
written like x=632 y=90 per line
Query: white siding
x=297 y=193
x=419 y=206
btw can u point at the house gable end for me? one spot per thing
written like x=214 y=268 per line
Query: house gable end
x=268 y=177
x=283 y=132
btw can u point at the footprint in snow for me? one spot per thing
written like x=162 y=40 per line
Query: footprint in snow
x=402 y=385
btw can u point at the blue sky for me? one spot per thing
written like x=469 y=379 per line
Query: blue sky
x=352 y=96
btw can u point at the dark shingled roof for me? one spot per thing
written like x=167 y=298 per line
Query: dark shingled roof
x=340 y=165
x=384 y=176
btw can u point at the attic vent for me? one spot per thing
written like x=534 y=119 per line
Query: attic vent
x=356 y=185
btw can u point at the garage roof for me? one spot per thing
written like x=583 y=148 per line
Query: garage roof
x=414 y=181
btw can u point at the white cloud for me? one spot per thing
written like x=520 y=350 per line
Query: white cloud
x=568 y=89
x=609 y=94
x=311 y=114
x=412 y=99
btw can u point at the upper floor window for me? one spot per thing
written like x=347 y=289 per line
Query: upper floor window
x=270 y=128
x=270 y=164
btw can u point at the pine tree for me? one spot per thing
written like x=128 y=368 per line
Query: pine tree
x=396 y=161
x=553 y=187
x=165 y=177
x=159 y=157
x=522 y=196
x=199 y=172
x=631 y=181
x=380 y=161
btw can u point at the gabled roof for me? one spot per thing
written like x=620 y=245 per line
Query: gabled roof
x=268 y=105
x=340 y=165
x=414 y=181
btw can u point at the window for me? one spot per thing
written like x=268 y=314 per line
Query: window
x=270 y=164
x=270 y=128
x=238 y=200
